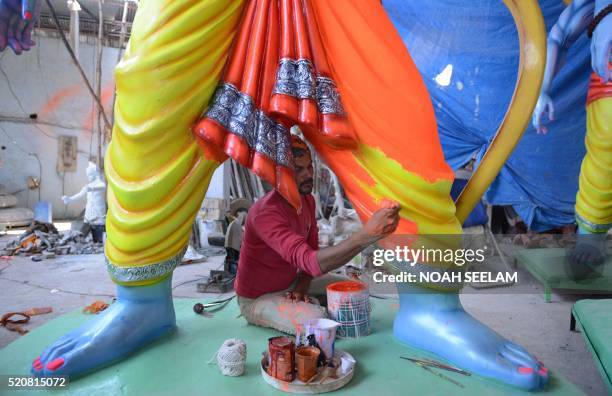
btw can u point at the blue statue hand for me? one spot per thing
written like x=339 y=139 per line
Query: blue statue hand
x=587 y=257
x=600 y=48
x=545 y=105
x=17 y=19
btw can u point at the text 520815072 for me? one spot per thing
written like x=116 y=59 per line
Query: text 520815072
x=29 y=382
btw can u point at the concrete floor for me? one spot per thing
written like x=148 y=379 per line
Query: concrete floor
x=70 y=282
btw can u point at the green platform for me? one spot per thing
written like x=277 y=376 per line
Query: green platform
x=177 y=365
x=594 y=319
x=548 y=267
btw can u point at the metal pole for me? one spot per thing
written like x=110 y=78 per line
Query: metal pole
x=120 y=52
x=98 y=79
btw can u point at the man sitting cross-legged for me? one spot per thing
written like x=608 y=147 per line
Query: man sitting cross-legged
x=280 y=264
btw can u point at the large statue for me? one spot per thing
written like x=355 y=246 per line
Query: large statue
x=95 y=208
x=346 y=78
x=594 y=198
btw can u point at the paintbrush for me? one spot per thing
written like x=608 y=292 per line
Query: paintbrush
x=323 y=375
x=27 y=9
x=424 y=366
x=439 y=365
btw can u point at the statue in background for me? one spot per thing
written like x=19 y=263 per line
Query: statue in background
x=95 y=209
x=593 y=207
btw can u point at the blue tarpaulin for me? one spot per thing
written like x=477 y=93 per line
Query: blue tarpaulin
x=468 y=54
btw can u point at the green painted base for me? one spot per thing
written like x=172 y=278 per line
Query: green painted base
x=548 y=267
x=594 y=319
x=176 y=365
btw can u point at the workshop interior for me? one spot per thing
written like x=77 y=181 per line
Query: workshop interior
x=266 y=197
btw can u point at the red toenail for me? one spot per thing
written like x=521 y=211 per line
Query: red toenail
x=38 y=366
x=522 y=370
x=54 y=365
x=37 y=360
x=543 y=371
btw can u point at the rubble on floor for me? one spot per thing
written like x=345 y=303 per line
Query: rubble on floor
x=533 y=240
x=43 y=241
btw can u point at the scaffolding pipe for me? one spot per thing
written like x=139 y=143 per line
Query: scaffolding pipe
x=98 y=80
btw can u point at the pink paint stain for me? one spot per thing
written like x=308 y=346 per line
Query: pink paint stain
x=58 y=98
x=106 y=97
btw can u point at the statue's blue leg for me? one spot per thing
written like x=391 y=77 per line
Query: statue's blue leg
x=436 y=322
x=140 y=315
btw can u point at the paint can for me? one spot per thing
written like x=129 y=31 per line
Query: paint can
x=348 y=303
x=282 y=354
x=324 y=333
x=306 y=362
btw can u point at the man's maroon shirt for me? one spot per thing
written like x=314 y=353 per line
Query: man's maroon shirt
x=278 y=243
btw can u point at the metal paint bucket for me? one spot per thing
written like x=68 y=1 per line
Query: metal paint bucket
x=282 y=354
x=348 y=303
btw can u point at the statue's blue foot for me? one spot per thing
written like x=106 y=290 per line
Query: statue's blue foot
x=588 y=254
x=140 y=315
x=437 y=323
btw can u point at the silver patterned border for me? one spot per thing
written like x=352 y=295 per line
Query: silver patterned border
x=145 y=272
x=328 y=97
x=295 y=78
x=236 y=112
x=596 y=228
x=269 y=134
x=223 y=100
x=284 y=155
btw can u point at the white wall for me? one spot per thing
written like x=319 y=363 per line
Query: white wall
x=46 y=82
x=217 y=188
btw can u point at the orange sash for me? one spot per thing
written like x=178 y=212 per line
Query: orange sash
x=597 y=89
x=277 y=76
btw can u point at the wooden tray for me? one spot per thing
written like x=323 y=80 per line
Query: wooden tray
x=297 y=386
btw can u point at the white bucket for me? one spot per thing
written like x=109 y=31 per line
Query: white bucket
x=324 y=331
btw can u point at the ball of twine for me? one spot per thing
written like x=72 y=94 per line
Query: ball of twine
x=231 y=357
